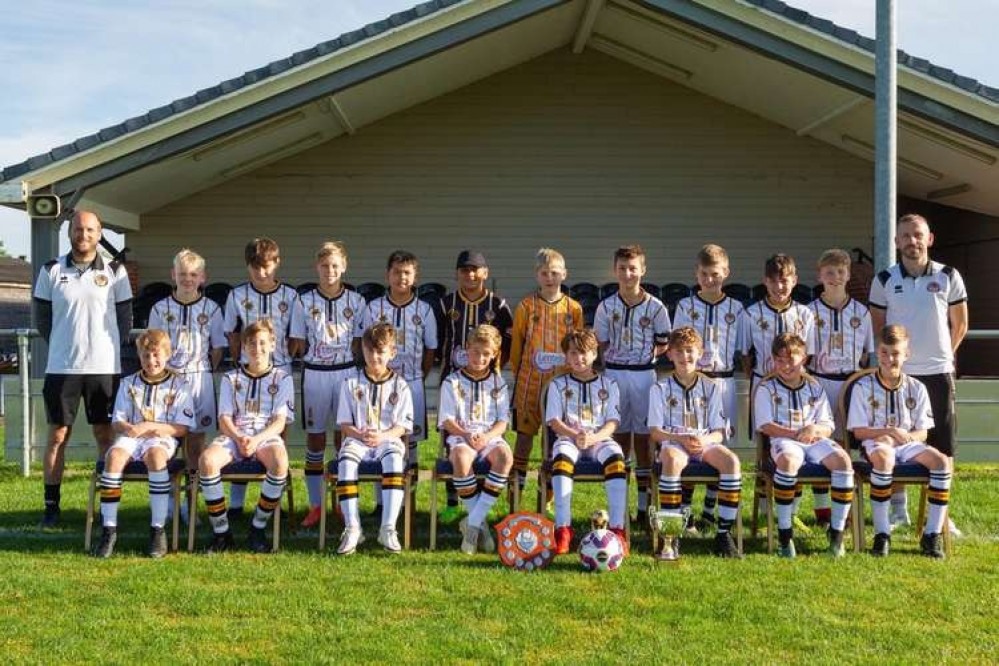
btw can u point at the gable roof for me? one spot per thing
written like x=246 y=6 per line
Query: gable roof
x=420 y=11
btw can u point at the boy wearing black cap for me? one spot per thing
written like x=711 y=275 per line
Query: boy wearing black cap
x=464 y=309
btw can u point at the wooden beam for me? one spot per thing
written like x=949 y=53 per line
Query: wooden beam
x=831 y=116
x=586 y=24
x=335 y=109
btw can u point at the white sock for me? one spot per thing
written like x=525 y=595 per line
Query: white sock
x=159 y=497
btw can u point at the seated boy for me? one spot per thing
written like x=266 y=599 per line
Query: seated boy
x=152 y=410
x=687 y=417
x=890 y=413
x=326 y=321
x=582 y=408
x=375 y=413
x=791 y=408
x=256 y=402
x=474 y=414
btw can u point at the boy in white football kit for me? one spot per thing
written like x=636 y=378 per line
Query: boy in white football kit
x=890 y=413
x=416 y=335
x=325 y=320
x=152 y=409
x=474 y=414
x=791 y=409
x=716 y=317
x=375 y=414
x=582 y=408
x=687 y=417
x=632 y=327
x=256 y=402
x=264 y=297
x=194 y=324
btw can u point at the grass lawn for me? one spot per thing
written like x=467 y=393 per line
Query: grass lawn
x=57 y=605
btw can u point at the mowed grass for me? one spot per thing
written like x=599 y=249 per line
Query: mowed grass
x=299 y=605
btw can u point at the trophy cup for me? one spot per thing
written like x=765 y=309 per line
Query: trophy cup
x=668 y=525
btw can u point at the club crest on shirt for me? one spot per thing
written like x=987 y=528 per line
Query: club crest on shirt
x=729 y=318
x=101 y=280
x=932 y=287
x=763 y=324
x=202 y=319
x=820 y=322
x=616 y=316
x=568 y=319
x=314 y=312
x=602 y=394
x=875 y=403
x=778 y=400
x=237 y=385
x=394 y=399
x=569 y=393
x=695 y=315
x=170 y=319
x=453 y=314
x=910 y=402
x=169 y=398
x=644 y=322
x=272 y=389
x=536 y=318
x=282 y=307
x=417 y=320
x=347 y=313
x=489 y=316
x=247 y=305
x=813 y=401
x=855 y=322
x=672 y=402
x=495 y=394
x=359 y=393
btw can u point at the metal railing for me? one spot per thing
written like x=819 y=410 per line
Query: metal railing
x=24 y=336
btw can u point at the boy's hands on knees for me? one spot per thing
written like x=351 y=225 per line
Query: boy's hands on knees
x=808 y=435
x=371 y=437
x=246 y=445
x=692 y=444
x=476 y=440
x=899 y=435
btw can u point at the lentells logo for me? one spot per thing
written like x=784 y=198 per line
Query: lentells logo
x=933 y=287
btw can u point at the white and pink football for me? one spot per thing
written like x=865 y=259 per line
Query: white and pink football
x=601 y=550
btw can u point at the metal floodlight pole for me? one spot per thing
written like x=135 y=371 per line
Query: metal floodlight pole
x=23 y=346
x=885 y=148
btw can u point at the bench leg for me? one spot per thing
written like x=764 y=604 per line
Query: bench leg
x=433 y=511
x=754 y=526
x=175 y=490
x=192 y=513
x=770 y=516
x=91 y=495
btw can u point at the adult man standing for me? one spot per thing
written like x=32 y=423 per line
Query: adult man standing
x=83 y=308
x=930 y=300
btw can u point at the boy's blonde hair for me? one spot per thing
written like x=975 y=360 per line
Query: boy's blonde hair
x=685 y=336
x=788 y=342
x=547 y=257
x=585 y=340
x=893 y=335
x=259 y=327
x=153 y=337
x=330 y=248
x=379 y=336
x=835 y=257
x=712 y=255
x=485 y=334
x=189 y=258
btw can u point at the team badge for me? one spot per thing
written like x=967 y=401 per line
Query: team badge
x=202 y=319
x=495 y=394
x=778 y=400
x=272 y=389
x=644 y=322
x=394 y=399
x=489 y=316
x=729 y=318
x=347 y=313
x=855 y=322
x=282 y=307
x=417 y=320
x=453 y=314
x=820 y=322
x=812 y=401
x=569 y=394
x=188 y=413
x=359 y=393
x=206 y=421
x=248 y=305
x=169 y=398
x=568 y=319
x=763 y=323
x=536 y=318
x=932 y=287
x=616 y=316
x=170 y=319
x=672 y=402
x=695 y=315
x=910 y=402
x=875 y=403
x=382 y=319
x=704 y=401
x=602 y=394
x=101 y=280
x=315 y=312
x=237 y=385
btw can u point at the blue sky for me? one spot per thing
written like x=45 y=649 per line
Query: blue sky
x=103 y=61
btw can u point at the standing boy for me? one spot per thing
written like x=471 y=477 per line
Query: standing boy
x=326 y=321
x=633 y=327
